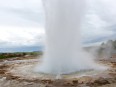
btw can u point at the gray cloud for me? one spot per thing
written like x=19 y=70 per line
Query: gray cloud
x=99 y=23
x=21 y=13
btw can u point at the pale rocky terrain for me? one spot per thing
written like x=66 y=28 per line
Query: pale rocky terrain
x=11 y=75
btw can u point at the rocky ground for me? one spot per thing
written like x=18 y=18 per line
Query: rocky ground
x=9 y=79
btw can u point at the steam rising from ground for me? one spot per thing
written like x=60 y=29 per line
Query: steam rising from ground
x=64 y=52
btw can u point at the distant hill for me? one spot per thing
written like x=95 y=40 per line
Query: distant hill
x=21 y=49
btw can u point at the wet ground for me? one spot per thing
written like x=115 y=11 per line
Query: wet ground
x=17 y=72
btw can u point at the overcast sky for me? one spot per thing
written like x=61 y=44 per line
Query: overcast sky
x=22 y=22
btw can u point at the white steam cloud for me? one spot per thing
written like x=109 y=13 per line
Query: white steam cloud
x=64 y=52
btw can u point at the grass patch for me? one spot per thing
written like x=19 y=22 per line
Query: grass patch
x=19 y=54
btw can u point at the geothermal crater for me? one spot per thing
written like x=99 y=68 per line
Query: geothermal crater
x=20 y=73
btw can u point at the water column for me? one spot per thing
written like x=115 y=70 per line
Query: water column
x=63 y=53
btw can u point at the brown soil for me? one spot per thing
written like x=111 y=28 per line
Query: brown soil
x=106 y=79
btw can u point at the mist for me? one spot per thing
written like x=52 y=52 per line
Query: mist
x=64 y=53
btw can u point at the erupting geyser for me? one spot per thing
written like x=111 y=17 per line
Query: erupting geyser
x=64 y=54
